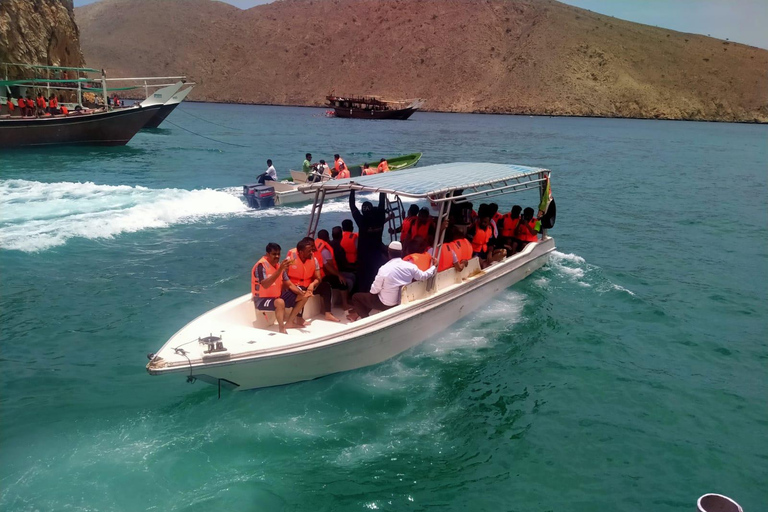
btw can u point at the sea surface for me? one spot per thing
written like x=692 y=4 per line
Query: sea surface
x=629 y=374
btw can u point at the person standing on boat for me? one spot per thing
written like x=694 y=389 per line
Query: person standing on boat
x=304 y=272
x=370 y=250
x=349 y=241
x=389 y=281
x=307 y=165
x=272 y=289
x=332 y=274
x=383 y=165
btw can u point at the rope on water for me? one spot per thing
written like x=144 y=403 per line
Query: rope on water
x=203 y=136
x=206 y=120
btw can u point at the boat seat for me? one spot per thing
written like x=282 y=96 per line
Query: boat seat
x=298 y=176
x=418 y=289
x=265 y=319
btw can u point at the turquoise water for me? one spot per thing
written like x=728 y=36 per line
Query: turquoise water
x=628 y=374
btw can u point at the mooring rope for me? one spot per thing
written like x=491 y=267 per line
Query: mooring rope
x=206 y=120
x=205 y=137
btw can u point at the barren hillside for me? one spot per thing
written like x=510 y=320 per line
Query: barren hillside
x=514 y=56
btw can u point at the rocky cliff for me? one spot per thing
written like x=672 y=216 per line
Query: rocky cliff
x=39 y=32
x=510 y=56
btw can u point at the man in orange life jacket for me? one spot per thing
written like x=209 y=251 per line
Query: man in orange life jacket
x=423 y=226
x=304 y=272
x=9 y=104
x=349 y=241
x=419 y=255
x=340 y=168
x=326 y=256
x=383 y=166
x=340 y=254
x=527 y=230
x=481 y=234
x=272 y=290
x=507 y=227
x=460 y=245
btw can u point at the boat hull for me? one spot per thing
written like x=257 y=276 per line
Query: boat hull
x=113 y=128
x=378 y=341
x=360 y=113
x=158 y=118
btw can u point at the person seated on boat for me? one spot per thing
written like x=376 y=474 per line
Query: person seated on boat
x=423 y=226
x=386 y=287
x=460 y=245
x=480 y=234
x=325 y=170
x=349 y=241
x=269 y=175
x=410 y=216
x=507 y=225
x=367 y=171
x=63 y=109
x=493 y=213
x=272 y=290
x=448 y=253
x=116 y=101
x=339 y=166
x=418 y=253
x=370 y=249
x=332 y=274
x=383 y=166
x=527 y=230
x=304 y=272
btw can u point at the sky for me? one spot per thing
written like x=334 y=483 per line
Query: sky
x=743 y=21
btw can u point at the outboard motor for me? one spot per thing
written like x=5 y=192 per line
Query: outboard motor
x=259 y=196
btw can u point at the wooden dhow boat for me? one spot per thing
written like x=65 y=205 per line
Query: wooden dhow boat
x=101 y=125
x=286 y=192
x=235 y=346
x=372 y=107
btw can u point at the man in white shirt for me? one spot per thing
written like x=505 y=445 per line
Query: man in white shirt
x=271 y=172
x=385 y=290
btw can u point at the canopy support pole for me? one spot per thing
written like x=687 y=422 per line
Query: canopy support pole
x=317 y=208
x=104 y=88
x=79 y=93
x=442 y=216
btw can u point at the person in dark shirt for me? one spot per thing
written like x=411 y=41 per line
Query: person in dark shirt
x=371 y=252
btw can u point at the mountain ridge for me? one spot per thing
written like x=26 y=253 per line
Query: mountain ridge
x=496 y=56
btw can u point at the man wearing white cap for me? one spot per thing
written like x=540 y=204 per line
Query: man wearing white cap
x=385 y=290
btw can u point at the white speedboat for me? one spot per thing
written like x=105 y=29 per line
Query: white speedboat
x=237 y=347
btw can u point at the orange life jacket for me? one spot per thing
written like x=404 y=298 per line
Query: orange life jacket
x=301 y=273
x=41 y=102
x=30 y=103
x=21 y=102
x=369 y=172
x=64 y=110
x=407 y=224
x=322 y=245
x=415 y=229
x=383 y=167
x=480 y=240
x=446 y=258
x=10 y=105
x=421 y=260
x=508 y=225
x=275 y=290
x=349 y=243
x=117 y=101
x=521 y=233
x=337 y=166
x=343 y=174
x=463 y=249
x=54 y=103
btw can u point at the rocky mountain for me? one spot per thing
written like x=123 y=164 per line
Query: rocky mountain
x=510 y=56
x=39 y=32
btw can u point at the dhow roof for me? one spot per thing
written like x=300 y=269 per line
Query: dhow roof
x=435 y=180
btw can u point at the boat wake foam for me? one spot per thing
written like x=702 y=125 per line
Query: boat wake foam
x=38 y=216
x=575 y=269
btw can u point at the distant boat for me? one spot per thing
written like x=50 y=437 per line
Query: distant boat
x=285 y=193
x=372 y=107
x=167 y=108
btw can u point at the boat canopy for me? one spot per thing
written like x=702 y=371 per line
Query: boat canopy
x=442 y=182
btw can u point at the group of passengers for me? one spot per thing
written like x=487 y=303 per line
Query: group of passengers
x=39 y=106
x=358 y=265
x=322 y=171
